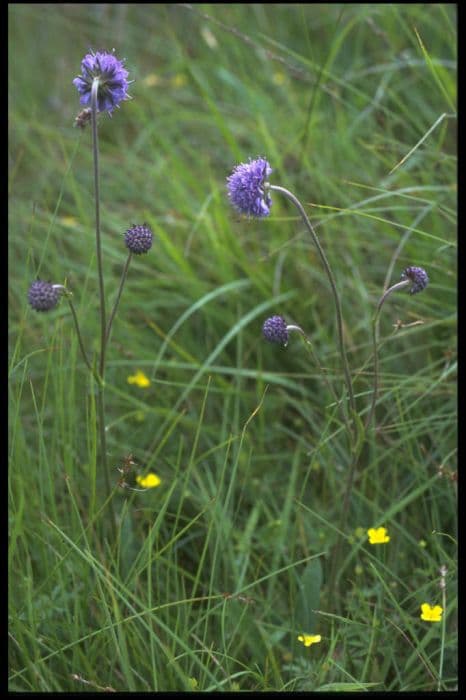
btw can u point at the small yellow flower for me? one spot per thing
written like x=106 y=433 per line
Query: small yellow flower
x=149 y=481
x=378 y=535
x=431 y=613
x=308 y=639
x=422 y=543
x=193 y=682
x=139 y=379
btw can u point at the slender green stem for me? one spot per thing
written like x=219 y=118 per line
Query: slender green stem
x=375 y=344
x=443 y=587
x=80 y=340
x=289 y=195
x=103 y=337
x=117 y=300
x=100 y=274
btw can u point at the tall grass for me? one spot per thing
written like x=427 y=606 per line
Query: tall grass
x=214 y=574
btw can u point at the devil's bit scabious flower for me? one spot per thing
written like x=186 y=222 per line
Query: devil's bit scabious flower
x=113 y=84
x=418 y=277
x=275 y=330
x=138 y=239
x=246 y=188
x=43 y=296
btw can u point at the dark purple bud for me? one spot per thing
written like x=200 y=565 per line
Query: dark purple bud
x=418 y=277
x=138 y=239
x=43 y=296
x=275 y=330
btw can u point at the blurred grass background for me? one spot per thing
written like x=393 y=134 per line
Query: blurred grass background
x=244 y=435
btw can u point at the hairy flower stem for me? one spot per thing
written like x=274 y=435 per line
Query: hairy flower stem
x=100 y=274
x=375 y=343
x=289 y=195
x=80 y=340
x=117 y=300
x=103 y=337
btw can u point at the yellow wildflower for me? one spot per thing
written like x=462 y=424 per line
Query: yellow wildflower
x=149 y=481
x=378 y=535
x=308 y=639
x=431 y=613
x=139 y=379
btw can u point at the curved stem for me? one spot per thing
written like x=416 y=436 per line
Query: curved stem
x=375 y=343
x=80 y=340
x=117 y=300
x=333 y=578
x=289 y=195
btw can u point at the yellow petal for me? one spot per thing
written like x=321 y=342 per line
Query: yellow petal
x=139 y=379
x=431 y=614
x=378 y=535
x=149 y=481
x=308 y=639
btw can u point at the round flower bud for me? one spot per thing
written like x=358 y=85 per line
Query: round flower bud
x=275 y=330
x=418 y=277
x=113 y=83
x=43 y=296
x=246 y=188
x=138 y=239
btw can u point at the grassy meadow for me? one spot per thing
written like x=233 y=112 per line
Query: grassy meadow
x=208 y=580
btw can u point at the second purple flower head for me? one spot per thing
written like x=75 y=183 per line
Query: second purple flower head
x=247 y=188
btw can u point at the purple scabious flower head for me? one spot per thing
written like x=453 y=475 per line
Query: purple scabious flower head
x=113 y=83
x=138 y=239
x=246 y=188
x=43 y=296
x=275 y=330
x=418 y=277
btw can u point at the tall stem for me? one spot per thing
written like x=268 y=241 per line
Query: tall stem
x=101 y=383
x=289 y=195
x=100 y=274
